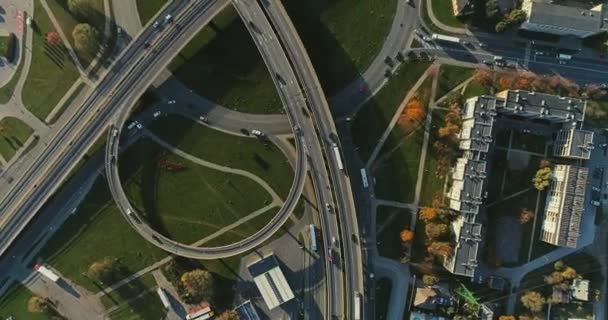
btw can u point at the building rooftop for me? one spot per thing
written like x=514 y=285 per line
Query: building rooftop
x=560 y=296
x=464 y=259
x=580 y=289
x=565 y=17
x=466 y=194
x=543 y=106
x=565 y=205
x=477 y=124
x=271 y=282
x=574 y=143
x=246 y=311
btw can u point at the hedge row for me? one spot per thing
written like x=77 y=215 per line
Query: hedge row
x=10 y=47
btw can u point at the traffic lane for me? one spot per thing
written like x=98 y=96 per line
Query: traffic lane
x=40 y=193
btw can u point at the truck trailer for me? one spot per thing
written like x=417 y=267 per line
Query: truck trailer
x=442 y=37
x=46 y=272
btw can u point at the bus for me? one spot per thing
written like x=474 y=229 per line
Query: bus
x=442 y=37
x=364 y=178
x=313 y=237
x=46 y=272
x=163 y=297
x=337 y=155
x=357 y=306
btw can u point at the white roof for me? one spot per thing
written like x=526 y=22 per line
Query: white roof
x=271 y=282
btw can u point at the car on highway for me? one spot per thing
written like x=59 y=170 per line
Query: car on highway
x=156 y=25
x=156 y=114
x=258 y=133
x=132 y=125
x=328 y=207
x=203 y=119
x=171 y=102
x=168 y=18
x=330 y=255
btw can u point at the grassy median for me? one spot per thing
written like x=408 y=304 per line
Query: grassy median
x=14 y=134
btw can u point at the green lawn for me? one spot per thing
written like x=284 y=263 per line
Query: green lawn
x=342 y=38
x=249 y=154
x=67 y=102
x=14 y=133
x=231 y=73
x=67 y=21
x=397 y=164
x=148 y=8
x=374 y=117
x=444 y=13
x=475 y=89
x=14 y=303
x=3 y=44
x=432 y=183
x=52 y=71
x=450 y=77
x=135 y=300
x=97 y=230
x=191 y=203
x=395 y=220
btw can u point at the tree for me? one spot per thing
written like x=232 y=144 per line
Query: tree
x=228 y=315
x=507 y=318
x=542 y=178
x=104 y=270
x=544 y=163
x=569 y=273
x=533 y=301
x=449 y=130
x=429 y=280
x=198 y=285
x=500 y=27
x=436 y=230
x=525 y=216
x=517 y=16
x=492 y=9
x=554 y=278
x=413 y=114
x=439 y=249
x=594 y=111
x=427 y=214
x=406 y=235
x=37 y=304
x=85 y=38
x=559 y=265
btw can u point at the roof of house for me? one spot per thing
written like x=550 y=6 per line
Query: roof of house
x=559 y=296
x=565 y=17
x=466 y=193
x=544 y=105
x=580 y=289
x=271 y=281
x=477 y=124
x=464 y=258
x=578 y=144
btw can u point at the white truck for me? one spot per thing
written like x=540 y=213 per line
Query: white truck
x=337 y=155
x=46 y=272
x=441 y=37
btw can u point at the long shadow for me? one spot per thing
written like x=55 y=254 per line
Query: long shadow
x=132 y=294
x=333 y=64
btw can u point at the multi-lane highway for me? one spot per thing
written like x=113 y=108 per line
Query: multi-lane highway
x=344 y=204
x=31 y=190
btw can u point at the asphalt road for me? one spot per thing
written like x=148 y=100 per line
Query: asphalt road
x=31 y=190
x=174 y=247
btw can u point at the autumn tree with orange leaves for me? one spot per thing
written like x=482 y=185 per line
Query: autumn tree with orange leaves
x=413 y=114
x=406 y=236
x=427 y=214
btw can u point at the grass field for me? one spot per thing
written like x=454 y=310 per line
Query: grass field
x=450 y=77
x=14 y=303
x=394 y=221
x=189 y=204
x=67 y=20
x=3 y=44
x=432 y=183
x=342 y=39
x=95 y=231
x=474 y=89
x=231 y=73
x=397 y=164
x=135 y=300
x=148 y=8
x=443 y=12
x=14 y=133
x=52 y=71
x=252 y=155
x=374 y=117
